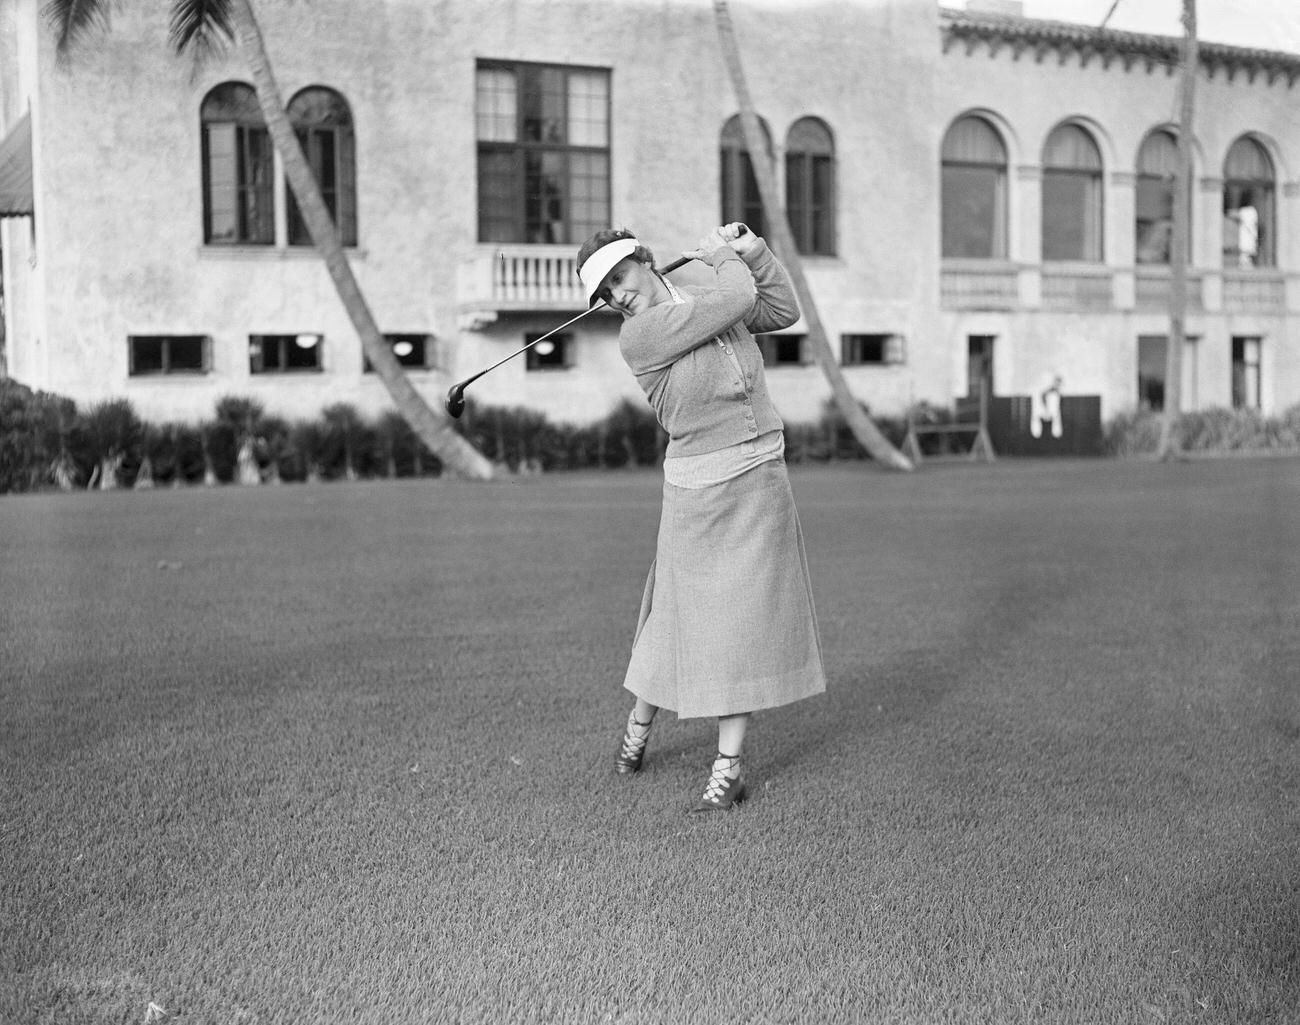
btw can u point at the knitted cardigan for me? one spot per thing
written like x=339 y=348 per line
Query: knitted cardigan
x=689 y=378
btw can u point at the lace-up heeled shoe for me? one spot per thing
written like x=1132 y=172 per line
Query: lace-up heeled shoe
x=632 y=749
x=723 y=791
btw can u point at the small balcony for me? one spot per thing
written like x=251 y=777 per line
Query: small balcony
x=1153 y=284
x=1077 y=288
x=1254 y=291
x=517 y=278
x=979 y=285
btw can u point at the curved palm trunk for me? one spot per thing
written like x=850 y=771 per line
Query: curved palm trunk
x=434 y=430
x=1180 y=245
x=866 y=432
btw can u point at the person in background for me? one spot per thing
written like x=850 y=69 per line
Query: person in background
x=727 y=625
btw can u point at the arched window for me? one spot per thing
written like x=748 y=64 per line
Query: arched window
x=1248 y=206
x=1157 y=172
x=810 y=186
x=323 y=122
x=238 y=198
x=974 y=191
x=740 y=198
x=1072 y=196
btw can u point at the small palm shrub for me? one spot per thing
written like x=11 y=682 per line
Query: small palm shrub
x=305 y=456
x=109 y=440
x=347 y=441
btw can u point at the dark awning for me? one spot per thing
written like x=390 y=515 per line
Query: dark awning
x=16 y=170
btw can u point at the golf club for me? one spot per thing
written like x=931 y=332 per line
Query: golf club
x=456 y=393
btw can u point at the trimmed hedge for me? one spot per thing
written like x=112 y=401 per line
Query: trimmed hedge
x=1205 y=431
x=45 y=441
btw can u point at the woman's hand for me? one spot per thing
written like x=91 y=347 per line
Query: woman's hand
x=735 y=235
x=738 y=236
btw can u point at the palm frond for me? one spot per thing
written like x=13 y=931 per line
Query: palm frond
x=71 y=19
x=202 y=25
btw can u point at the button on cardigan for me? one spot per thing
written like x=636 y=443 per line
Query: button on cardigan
x=708 y=398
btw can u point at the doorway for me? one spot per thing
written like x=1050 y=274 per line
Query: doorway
x=979 y=365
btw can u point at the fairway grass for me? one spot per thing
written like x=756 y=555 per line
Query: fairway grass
x=343 y=753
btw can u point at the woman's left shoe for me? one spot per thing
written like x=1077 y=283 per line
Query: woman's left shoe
x=723 y=790
x=632 y=749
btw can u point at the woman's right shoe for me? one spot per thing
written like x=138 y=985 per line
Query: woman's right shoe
x=632 y=750
x=723 y=791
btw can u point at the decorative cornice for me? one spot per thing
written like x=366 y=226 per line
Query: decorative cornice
x=1061 y=40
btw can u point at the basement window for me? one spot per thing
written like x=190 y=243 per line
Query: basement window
x=413 y=351
x=153 y=355
x=553 y=354
x=284 y=354
x=871 y=350
x=782 y=350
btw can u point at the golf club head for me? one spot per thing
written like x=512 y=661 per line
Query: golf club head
x=455 y=403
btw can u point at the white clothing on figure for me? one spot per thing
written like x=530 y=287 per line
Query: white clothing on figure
x=1046 y=405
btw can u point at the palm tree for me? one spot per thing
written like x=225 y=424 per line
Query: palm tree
x=867 y=433
x=200 y=27
x=1169 y=447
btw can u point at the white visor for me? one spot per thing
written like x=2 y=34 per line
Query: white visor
x=602 y=261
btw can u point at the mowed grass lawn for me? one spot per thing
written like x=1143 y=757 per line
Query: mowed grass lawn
x=342 y=753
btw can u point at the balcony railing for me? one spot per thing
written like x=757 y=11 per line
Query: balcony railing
x=1077 y=288
x=521 y=278
x=1254 y=291
x=1152 y=285
x=979 y=287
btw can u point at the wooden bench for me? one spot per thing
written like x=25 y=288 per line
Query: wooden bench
x=971 y=417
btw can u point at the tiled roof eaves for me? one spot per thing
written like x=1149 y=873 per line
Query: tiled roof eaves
x=1039 y=37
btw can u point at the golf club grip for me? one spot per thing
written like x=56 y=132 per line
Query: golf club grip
x=686 y=259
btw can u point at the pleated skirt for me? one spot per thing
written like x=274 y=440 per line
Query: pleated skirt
x=727 y=622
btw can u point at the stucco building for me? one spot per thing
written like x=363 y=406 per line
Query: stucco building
x=975 y=195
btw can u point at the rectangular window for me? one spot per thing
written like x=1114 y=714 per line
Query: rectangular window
x=782 y=350
x=1153 y=355
x=974 y=212
x=1071 y=215
x=1154 y=218
x=413 y=351
x=979 y=364
x=150 y=355
x=1151 y=371
x=330 y=157
x=741 y=200
x=237 y=169
x=1245 y=373
x=865 y=350
x=553 y=354
x=275 y=354
x=543 y=152
x=808 y=185
x=1247 y=225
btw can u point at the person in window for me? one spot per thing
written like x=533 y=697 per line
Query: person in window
x=727 y=625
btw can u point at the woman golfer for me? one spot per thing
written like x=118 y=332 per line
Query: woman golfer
x=727 y=625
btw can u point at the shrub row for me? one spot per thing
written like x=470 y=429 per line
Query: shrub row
x=1209 y=430
x=46 y=441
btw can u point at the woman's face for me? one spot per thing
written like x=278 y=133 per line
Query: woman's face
x=631 y=288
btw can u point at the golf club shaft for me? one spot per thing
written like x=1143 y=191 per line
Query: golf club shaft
x=555 y=330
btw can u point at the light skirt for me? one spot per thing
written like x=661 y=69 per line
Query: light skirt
x=727 y=623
